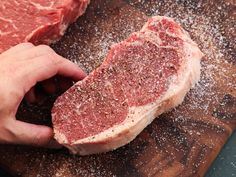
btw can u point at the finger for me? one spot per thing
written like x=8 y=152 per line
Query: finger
x=49 y=86
x=30 y=134
x=56 y=84
x=35 y=52
x=64 y=84
x=44 y=67
x=69 y=69
x=18 y=48
x=30 y=96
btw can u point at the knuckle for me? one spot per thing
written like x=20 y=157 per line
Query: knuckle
x=9 y=99
x=6 y=133
x=50 y=55
x=45 y=48
x=26 y=44
x=54 y=59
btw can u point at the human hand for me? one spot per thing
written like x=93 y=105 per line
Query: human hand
x=21 y=67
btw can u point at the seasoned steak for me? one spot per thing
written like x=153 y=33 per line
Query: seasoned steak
x=145 y=75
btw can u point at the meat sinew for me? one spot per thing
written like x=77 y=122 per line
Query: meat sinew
x=145 y=75
x=36 y=21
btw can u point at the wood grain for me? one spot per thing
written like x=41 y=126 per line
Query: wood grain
x=183 y=142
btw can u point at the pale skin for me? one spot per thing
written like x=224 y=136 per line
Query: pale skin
x=21 y=67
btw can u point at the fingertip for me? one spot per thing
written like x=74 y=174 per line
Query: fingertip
x=30 y=134
x=49 y=86
x=45 y=134
x=46 y=139
x=80 y=74
x=70 y=69
x=30 y=96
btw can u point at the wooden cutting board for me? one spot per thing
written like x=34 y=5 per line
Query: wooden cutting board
x=183 y=142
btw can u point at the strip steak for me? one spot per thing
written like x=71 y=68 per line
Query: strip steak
x=145 y=75
x=36 y=21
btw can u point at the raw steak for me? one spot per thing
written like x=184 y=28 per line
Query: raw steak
x=36 y=21
x=145 y=75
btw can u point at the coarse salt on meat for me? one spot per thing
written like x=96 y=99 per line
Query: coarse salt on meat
x=145 y=75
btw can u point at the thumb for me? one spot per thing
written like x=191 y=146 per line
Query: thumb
x=29 y=134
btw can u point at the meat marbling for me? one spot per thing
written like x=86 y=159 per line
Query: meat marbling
x=36 y=21
x=142 y=77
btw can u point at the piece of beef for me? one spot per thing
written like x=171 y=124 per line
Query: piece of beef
x=36 y=21
x=141 y=77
